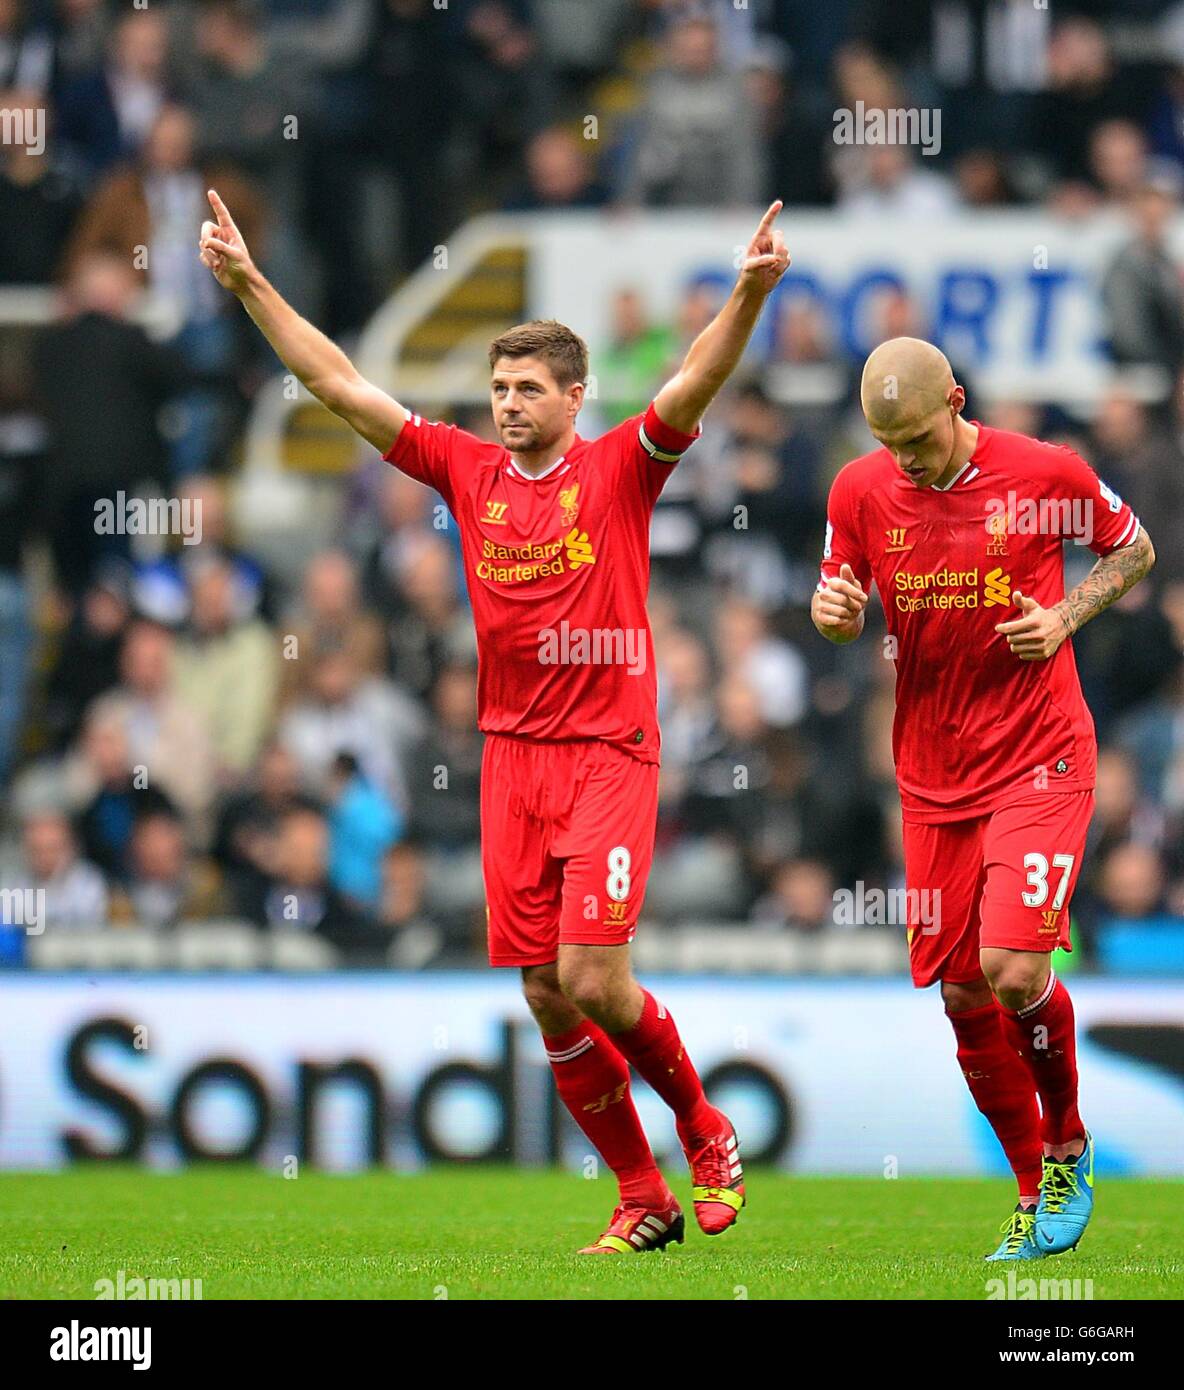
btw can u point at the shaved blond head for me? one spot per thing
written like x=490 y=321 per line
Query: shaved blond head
x=904 y=381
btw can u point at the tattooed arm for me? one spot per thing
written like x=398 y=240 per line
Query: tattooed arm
x=1038 y=634
x=1109 y=579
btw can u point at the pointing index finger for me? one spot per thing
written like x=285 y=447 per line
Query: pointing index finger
x=767 y=221
x=225 y=221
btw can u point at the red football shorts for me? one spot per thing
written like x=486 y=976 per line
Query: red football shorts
x=1004 y=879
x=567 y=839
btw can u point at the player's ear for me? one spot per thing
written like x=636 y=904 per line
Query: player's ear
x=957 y=399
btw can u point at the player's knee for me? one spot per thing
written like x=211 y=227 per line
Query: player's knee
x=964 y=995
x=586 y=987
x=546 y=1001
x=1018 y=980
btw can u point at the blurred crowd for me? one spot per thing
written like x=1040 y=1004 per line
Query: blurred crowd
x=186 y=735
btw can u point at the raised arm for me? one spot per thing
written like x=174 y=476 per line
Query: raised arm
x=319 y=363
x=714 y=353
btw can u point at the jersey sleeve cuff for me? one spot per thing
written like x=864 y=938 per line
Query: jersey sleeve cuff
x=404 y=438
x=661 y=442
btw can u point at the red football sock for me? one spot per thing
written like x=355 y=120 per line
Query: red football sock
x=1002 y=1089
x=656 y=1050
x=592 y=1079
x=1044 y=1035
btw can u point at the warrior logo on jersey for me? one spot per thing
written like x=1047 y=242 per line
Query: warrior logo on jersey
x=495 y=513
x=896 y=540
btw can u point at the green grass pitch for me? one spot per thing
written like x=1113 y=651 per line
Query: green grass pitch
x=498 y=1233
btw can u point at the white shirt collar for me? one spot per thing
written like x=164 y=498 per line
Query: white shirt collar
x=534 y=477
x=955 y=478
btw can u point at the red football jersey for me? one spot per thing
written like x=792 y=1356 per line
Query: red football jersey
x=974 y=724
x=557 y=569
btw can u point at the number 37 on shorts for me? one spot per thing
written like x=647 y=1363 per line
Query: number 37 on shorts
x=1006 y=880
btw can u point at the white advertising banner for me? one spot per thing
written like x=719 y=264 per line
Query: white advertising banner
x=343 y=1070
x=1014 y=298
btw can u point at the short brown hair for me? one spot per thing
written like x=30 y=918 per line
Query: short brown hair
x=564 y=352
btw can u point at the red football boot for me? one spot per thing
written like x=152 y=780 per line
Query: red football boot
x=717 y=1177
x=635 y=1228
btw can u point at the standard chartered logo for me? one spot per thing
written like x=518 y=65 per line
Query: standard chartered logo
x=946 y=588
x=996 y=588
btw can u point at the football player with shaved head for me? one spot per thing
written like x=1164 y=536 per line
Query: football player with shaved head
x=961 y=528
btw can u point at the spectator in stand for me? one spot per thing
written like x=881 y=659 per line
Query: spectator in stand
x=101 y=383
x=1121 y=812
x=227 y=670
x=155 y=204
x=75 y=891
x=793 y=139
x=106 y=114
x=445 y=766
x=330 y=612
x=166 y=736
x=109 y=794
x=433 y=627
x=299 y=897
x=362 y=827
x=82 y=31
x=560 y=174
x=397 y=515
x=686 y=712
x=889 y=181
x=22 y=460
x=983 y=180
x=503 y=90
x=163 y=587
x=87 y=661
x=417 y=938
x=1085 y=86
x=346 y=711
x=164 y=884
x=40 y=197
x=772 y=668
x=773 y=465
x=638 y=356
x=802 y=898
x=1138 y=457
x=248 y=92
x=1142 y=290
x=697 y=143
x=730 y=777
x=26 y=49
x=248 y=824
x=1132 y=883
x=1118 y=161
